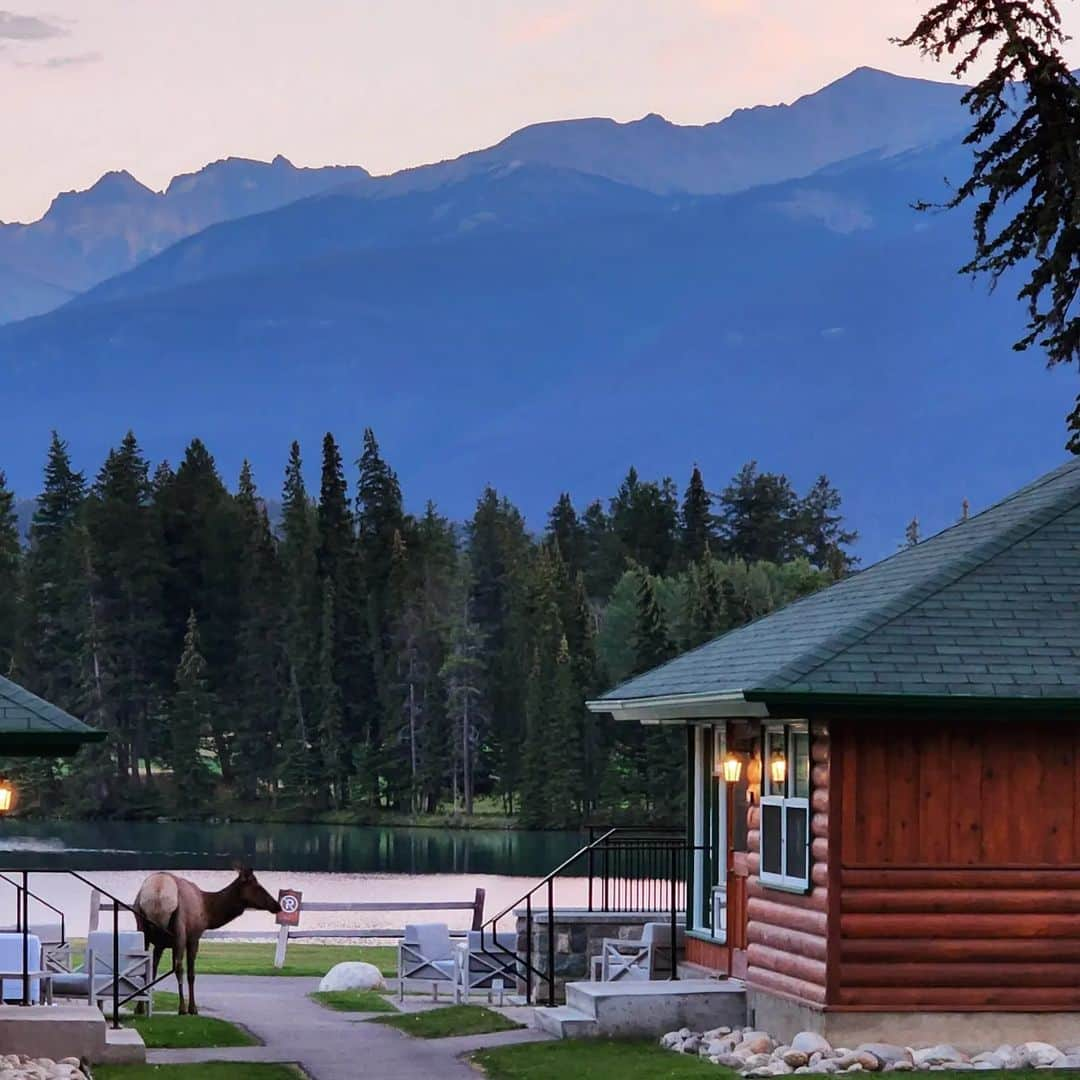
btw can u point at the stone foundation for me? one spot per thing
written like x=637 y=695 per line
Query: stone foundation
x=783 y=1018
x=578 y=938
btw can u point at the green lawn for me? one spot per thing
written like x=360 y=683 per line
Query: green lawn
x=593 y=1059
x=598 y=1059
x=354 y=1001
x=166 y=1030
x=222 y=1070
x=257 y=958
x=452 y=1020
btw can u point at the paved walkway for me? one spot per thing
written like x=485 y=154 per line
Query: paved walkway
x=327 y=1045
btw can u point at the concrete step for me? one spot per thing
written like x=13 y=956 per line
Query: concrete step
x=123 y=1046
x=565 y=1022
x=640 y=1008
x=688 y=970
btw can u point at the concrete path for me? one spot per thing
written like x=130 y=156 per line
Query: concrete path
x=327 y=1045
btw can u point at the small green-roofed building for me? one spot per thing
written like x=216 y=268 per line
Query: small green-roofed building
x=884 y=787
x=31 y=727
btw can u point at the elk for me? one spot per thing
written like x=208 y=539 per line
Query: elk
x=174 y=913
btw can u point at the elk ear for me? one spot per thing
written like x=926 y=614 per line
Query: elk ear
x=243 y=871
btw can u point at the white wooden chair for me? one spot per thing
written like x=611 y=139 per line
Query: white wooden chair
x=647 y=957
x=426 y=954
x=489 y=965
x=94 y=981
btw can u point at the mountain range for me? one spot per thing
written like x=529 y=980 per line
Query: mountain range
x=543 y=313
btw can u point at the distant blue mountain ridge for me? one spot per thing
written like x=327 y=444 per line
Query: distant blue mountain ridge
x=542 y=315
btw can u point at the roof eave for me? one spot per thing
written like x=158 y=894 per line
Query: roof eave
x=787 y=699
x=677 y=708
x=47 y=743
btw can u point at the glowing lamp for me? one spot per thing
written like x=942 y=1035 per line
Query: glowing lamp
x=7 y=795
x=778 y=769
x=731 y=769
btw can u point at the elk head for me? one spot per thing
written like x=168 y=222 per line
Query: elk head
x=252 y=895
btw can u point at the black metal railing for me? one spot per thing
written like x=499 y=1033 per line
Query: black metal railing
x=113 y=988
x=37 y=899
x=632 y=870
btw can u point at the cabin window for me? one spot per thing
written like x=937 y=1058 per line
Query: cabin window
x=785 y=807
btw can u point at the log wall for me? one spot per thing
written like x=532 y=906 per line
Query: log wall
x=957 y=848
x=786 y=933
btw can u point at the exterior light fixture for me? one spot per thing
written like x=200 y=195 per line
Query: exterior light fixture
x=778 y=770
x=7 y=795
x=731 y=769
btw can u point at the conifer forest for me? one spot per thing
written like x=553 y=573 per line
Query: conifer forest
x=294 y=652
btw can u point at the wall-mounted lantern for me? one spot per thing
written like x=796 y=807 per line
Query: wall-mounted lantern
x=778 y=770
x=7 y=795
x=730 y=769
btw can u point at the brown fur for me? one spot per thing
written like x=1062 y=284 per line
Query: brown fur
x=173 y=913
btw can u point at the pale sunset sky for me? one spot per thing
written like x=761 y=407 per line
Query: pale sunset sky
x=161 y=88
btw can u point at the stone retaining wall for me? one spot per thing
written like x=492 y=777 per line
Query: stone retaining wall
x=578 y=938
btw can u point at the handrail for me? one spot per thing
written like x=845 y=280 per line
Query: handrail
x=673 y=843
x=554 y=874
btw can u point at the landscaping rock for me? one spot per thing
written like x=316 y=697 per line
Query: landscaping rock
x=354 y=975
x=899 y=1066
x=943 y=1054
x=886 y=1053
x=758 y=1043
x=729 y=1061
x=810 y=1042
x=1067 y=1061
x=754 y=1061
x=691 y=1045
x=796 y=1058
x=1038 y=1054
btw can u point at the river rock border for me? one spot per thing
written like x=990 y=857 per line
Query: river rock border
x=754 y=1054
x=20 y=1067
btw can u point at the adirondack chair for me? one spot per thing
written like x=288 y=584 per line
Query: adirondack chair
x=426 y=954
x=490 y=965
x=647 y=957
x=94 y=981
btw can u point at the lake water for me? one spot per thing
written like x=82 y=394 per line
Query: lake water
x=326 y=862
x=344 y=849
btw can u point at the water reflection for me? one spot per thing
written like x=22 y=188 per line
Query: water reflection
x=318 y=848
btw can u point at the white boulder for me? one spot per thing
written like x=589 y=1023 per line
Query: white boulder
x=1038 y=1054
x=810 y=1042
x=354 y=975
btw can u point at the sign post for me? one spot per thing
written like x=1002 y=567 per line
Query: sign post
x=291 y=902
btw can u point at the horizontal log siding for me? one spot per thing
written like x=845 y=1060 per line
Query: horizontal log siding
x=707 y=954
x=959 y=884
x=786 y=932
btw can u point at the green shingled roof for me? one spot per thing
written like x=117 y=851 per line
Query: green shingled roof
x=30 y=726
x=989 y=608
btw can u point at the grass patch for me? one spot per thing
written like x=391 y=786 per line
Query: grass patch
x=257 y=958
x=354 y=1001
x=221 y=1070
x=168 y=1031
x=453 y=1020
x=593 y=1058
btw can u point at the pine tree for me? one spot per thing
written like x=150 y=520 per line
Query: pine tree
x=912 y=535
x=260 y=674
x=190 y=723
x=462 y=674
x=379 y=516
x=822 y=535
x=1025 y=176
x=706 y=611
x=55 y=589
x=695 y=520
x=125 y=561
x=644 y=517
x=759 y=517
x=568 y=534
x=300 y=618
x=499 y=556
x=10 y=565
x=329 y=711
x=203 y=536
x=604 y=557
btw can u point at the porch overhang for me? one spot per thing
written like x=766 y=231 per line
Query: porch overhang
x=680 y=708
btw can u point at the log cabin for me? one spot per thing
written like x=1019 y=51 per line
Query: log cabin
x=884 y=788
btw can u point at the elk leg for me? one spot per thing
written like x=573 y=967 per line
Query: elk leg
x=192 y=952
x=158 y=950
x=178 y=950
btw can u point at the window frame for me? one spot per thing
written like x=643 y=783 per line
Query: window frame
x=784 y=802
